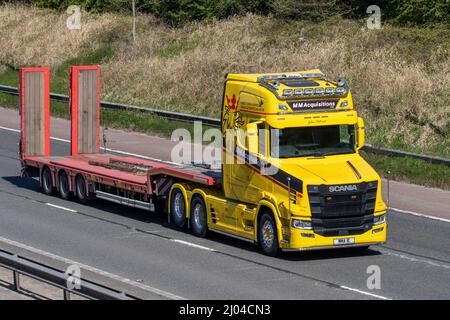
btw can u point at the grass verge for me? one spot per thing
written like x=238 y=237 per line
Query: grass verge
x=410 y=170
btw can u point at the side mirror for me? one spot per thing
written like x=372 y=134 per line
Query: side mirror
x=361 y=134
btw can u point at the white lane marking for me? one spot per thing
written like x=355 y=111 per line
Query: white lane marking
x=365 y=292
x=92 y=269
x=192 y=245
x=59 y=207
x=106 y=149
x=412 y=259
x=420 y=214
x=9 y=129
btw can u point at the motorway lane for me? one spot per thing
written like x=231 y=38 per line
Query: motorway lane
x=415 y=263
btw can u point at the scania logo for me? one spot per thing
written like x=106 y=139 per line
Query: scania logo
x=348 y=187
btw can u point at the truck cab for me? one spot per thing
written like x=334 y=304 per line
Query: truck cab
x=291 y=150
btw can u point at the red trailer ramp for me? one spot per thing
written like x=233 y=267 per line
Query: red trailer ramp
x=85 y=109
x=34 y=93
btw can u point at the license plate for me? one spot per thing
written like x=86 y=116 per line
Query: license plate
x=343 y=241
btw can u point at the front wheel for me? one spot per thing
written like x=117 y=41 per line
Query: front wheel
x=198 y=218
x=268 y=237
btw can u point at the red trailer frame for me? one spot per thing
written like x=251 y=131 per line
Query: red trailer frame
x=127 y=180
x=34 y=95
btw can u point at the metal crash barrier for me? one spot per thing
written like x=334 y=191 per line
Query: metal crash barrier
x=87 y=289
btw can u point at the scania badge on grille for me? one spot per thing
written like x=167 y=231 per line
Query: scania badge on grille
x=347 y=187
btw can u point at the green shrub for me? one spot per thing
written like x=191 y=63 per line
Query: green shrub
x=305 y=9
x=423 y=11
x=177 y=12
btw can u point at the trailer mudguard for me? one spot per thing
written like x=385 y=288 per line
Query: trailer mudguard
x=34 y=99
x=85 y=109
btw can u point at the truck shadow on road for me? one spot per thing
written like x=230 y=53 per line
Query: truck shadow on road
x=139 y=219
x=340 y=253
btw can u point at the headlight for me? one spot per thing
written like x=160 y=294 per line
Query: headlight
x=302 y=224
x=379 y=219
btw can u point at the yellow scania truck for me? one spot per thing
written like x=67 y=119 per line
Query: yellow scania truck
x=292 y=177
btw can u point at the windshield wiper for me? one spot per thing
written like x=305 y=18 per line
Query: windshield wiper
x=314 y=154
x=338 y=152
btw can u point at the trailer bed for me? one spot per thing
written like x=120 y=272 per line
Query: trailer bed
x=138 y=171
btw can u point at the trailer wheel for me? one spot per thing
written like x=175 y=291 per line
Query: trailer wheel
x=46 y=182
x=198 y=218
x=178 y=208
x=268 y=237
x=81 y=189
x=64 y=191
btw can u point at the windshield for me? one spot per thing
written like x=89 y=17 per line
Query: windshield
x=312 y=141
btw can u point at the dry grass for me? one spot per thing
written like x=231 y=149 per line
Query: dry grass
x=33 y=36
x=400 y=77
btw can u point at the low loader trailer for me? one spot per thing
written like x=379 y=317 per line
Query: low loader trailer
x=291 y=176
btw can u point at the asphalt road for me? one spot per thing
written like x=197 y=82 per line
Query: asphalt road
x=142 y=248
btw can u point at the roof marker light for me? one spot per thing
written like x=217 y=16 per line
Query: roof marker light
x=298 y=92
x=329 y=90
x=308 y=91
x=287 y=92
x=319 y=90
x=340 y=90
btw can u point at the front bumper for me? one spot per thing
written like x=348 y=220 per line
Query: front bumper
x=302 y=240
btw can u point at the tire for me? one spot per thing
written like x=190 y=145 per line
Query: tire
x=178 y=208
x=198 y=217
x=80 y=187
x=64 y=190
x=46 y=182
x=268 y=237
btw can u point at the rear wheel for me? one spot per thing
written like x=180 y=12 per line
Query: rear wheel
x=268 y=237
x=198 y=217
x=64 y=191
x=46 y=181
x=80 y=185
x=178 y=208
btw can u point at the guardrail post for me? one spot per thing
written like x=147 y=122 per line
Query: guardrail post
x=16 y=277
x=66 y=294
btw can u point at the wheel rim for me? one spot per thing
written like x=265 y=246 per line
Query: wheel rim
x=268 y=234
x=199 y=217
x=179 y=206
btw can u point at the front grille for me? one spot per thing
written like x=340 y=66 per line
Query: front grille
x=342 y=209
